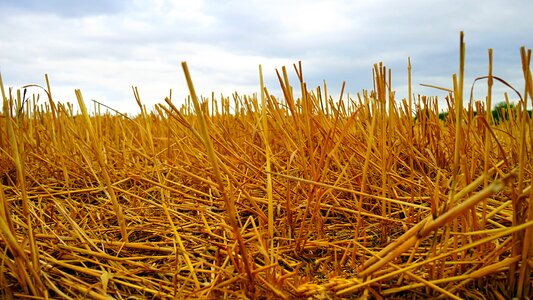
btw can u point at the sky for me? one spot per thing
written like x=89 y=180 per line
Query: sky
x=104 y=47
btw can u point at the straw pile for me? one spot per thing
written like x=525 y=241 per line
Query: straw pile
x=280 y=198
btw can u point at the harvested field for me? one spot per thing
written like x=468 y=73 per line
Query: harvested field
x=265 y=197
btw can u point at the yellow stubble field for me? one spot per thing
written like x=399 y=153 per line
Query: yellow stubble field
x=265 y=197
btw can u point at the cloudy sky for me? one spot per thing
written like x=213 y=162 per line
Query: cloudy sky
x=104 y=47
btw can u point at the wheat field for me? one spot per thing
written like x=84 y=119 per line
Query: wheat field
x=269 y=198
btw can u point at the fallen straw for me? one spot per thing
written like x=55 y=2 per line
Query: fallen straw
x=427 y=225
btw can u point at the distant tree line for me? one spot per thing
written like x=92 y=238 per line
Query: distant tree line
x=500 y=112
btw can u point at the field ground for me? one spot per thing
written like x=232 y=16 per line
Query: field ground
x=279 y=198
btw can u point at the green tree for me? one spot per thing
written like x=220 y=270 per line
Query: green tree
x=502 y=113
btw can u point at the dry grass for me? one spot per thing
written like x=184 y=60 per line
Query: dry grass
x=279 y=199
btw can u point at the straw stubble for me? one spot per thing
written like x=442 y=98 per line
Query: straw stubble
x=258 y=196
